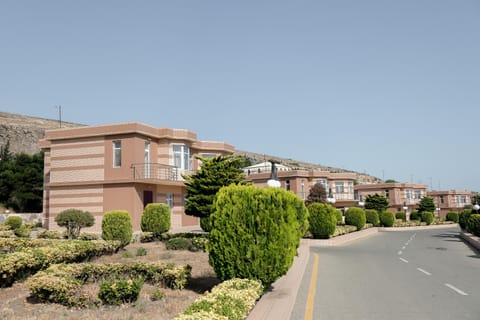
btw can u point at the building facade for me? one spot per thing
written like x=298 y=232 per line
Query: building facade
x=450 y=200
x=401 y=196
x=121 y=167
x=340 y=186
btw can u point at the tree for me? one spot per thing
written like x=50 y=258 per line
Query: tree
x=202 y=186
x=426 y=205
x=376 y=202
x=390 y=181
x=74 y=220
x=317 y=194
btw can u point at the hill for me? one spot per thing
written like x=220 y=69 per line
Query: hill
x=24 y=132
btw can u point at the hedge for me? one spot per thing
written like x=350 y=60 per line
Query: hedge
x=322 y=220
x=355 y=217
x=474 y=224
x=387 y=219
x=427 y=217
x=371 y=216
x=117 y=225
x=156 y=218
x=452 y=216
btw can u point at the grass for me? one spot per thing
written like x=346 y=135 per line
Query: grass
x=16 y=304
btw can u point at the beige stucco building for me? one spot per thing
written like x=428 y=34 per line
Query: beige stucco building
x=450 y=200
x=120 y=167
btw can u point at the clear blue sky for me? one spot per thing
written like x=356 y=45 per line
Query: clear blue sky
x=390 y=88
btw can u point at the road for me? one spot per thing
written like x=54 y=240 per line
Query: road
x=424 y=274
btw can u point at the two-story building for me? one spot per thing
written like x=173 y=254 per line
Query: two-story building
x=340 y=186
x=120 y=167
x=401 y=196
x=450 y=200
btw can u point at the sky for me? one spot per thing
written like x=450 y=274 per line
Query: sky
x=388 y=88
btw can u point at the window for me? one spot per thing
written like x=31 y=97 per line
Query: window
x=418 y=194
x=442 y=200
x=181 y=157
x=339 y=188
x=287 y=185
x=147 y=159
x=303 y=189
x=409 y=194
x=117 y=154
x=387 y=194
x=169 y=200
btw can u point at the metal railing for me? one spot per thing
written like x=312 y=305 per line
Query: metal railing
x=155 y=171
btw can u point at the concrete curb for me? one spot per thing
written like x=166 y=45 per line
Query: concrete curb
x=471 y=239
x=430 y=227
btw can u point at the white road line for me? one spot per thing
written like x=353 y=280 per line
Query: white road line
x=400 y=253
x=456 y=289
x=426 y=272
x=403 y=248
x=406 y=261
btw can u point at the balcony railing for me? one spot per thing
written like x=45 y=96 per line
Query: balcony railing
x=156 y=171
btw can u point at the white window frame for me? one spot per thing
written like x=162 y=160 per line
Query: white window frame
x=169 y=200
x=117 y=157
x=182 y=153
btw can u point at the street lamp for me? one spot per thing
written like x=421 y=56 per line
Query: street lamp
x=273 y=181
x=476 y=207
x=330 y=197
x=438 y=211
x=405 y=209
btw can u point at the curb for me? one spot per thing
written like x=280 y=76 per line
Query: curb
x=471 y=239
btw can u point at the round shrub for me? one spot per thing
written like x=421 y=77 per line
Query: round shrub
x=322 y=220
x=74 y=220
x=415 y=215
x=371 y=216
x=22 y=231
x=387 y=219
x=205 y=224
x=117 y=225
x=401 y=215
x=255 y=232
x=474 y=224
x=463 y=218
x=339 y=216
x=14 y=222
x=452 y=216
x=156 y=218
x=178 y=244
x=427 y=217
x=117 y=292
x=355 y=217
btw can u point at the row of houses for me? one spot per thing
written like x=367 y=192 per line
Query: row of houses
x=126 y=166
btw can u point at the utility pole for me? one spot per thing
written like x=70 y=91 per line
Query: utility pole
x=59 y=107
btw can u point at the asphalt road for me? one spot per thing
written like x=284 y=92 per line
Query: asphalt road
x=427 y=274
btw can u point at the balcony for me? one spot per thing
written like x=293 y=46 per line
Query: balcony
x=157 y=172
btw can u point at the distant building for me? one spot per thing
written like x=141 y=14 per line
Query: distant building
x=339 y=185
x=451 y=200
x=401 y=196
x=121 y=167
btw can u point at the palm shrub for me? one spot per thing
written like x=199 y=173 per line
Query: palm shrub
x=371 y=216
x=387 y=219
x=463 y=218
x=401 y=215
x=427 y=217
x=14 y=222
x=117 y=225
x=322 y=220
x=452 y=216
x=474 y=224
x=355 y=217
x=255 y=232
x=74 y=220
x=156 y=219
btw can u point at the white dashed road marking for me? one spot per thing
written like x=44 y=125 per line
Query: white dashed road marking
x=456 y=289
x=423 y=271
x=404 y=260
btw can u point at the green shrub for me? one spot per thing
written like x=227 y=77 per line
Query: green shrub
x=387 y=219
x=452 y=216
x=322 y=220
x=178 y=244
x=371 y=216
x=206 y=224
x=22 y=231
x=14 y=222
x=200 y=243
x=74 y=220
x=141 y=252
x=6 y=233
x=339 y=216
x=341 y=230
x=474 y=224
x=127 y=254
x=427 y=217
x=87 y=236
x=147 y=237
x=355 y=217
x=156 y=218
x=415 y=215
x=255 y=232
x=117 y=225
x=401 y=215
x=50 y=234
x=156 y=295
x=117 y=292
x=463 y=218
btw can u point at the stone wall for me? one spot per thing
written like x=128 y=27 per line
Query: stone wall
x=26 y=217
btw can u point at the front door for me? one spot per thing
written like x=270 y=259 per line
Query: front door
x=147 y=197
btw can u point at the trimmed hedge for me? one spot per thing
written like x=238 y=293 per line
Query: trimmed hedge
x=415 y=215
x=371 y=216
x=474 y=224
x=452 y=216
x=61 y=283
x=463 y=218
x=156 y=219
x=401 y=215
x=31 y=255
x=14 y=222
x=322 y=220
x=427 y=217
x=355 y=217
x=117 y=225
x=117 y=292
x=339 y=216
x=255 y=232
x=387 y=219
x=231 y=300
